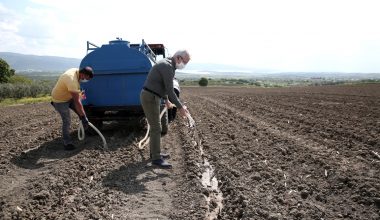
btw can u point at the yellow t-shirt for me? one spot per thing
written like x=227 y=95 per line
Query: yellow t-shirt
x=67 y=82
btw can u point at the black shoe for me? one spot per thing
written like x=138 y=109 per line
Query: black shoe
x=69 y=147
x=162 y=164
x=163 y=156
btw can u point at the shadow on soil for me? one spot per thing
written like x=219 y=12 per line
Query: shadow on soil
x=50 y=151
x=132 y=178
x=46 y=153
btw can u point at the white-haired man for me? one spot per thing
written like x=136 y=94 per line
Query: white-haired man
x=158 y=85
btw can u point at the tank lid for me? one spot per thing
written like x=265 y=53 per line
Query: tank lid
x=119 y=41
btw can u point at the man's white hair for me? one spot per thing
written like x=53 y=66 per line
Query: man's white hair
x=182 y=53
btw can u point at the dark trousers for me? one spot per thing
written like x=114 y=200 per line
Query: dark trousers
x=151 y=106
x=63 y=108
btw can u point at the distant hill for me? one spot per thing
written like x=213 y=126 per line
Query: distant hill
x=35 y=63
x=213 y=67
x=29 y=64
x=23 y=62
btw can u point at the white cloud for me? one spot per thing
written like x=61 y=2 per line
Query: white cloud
x=297 y=35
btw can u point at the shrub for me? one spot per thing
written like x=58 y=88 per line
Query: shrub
x=17 y=79
x=203 y=81
x=35 y=89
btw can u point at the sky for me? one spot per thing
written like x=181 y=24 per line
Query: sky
x=279 y=35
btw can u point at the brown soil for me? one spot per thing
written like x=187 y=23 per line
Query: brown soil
x=286 y=153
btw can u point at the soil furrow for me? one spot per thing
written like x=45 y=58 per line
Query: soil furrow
x=278 y=153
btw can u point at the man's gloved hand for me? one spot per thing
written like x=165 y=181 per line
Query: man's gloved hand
x=84 y=120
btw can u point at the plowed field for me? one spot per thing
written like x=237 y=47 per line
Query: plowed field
x=283 y=153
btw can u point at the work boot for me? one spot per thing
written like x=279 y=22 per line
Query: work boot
x=69 y=147
x=162 y=164
x=163 y=156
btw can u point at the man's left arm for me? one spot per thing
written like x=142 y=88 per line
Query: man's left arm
x=79 y=109
x=168 y=81
x=78 y=104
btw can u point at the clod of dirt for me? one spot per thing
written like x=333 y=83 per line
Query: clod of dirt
x=304 y=194
x=256 y=177
x=377 y=201
x=41 y=195
x=274 y=216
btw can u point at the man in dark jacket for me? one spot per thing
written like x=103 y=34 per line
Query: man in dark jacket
x=159 y=84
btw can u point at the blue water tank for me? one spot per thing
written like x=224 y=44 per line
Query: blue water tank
x=119 y=74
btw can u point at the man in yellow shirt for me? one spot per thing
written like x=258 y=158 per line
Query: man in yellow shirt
x=66 y=95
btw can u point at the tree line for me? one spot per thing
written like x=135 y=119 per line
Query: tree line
x=16 y=86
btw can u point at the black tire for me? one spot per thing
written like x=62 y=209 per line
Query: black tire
x=98 y=123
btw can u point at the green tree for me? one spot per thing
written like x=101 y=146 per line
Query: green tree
x=5 y=71
x=203 y=81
